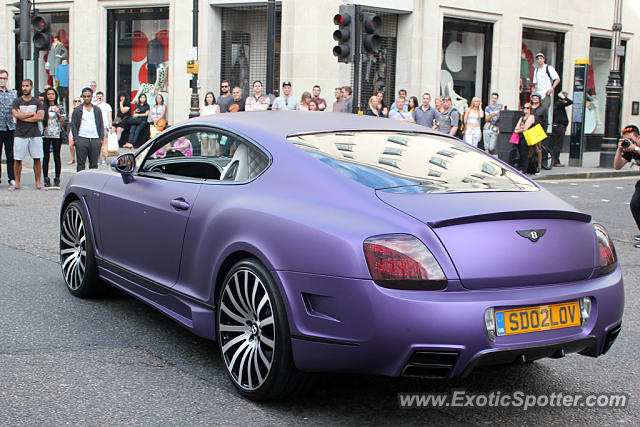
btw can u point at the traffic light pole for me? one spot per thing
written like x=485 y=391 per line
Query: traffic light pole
x=356 y=63
x=36 y=80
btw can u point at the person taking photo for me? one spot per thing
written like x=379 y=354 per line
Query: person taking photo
x=629 y=151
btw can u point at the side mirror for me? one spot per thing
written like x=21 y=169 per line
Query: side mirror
x=125 y=165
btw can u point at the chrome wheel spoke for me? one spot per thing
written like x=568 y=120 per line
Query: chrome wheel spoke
x=66 y=240
x=246 y=329
x=67 y=251
x=73 y=251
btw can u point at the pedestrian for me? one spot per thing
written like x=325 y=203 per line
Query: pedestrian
x=472 y=118
x=7 y=125
x=383 y=107
x=53 y=125
x=425 y=114
x=374 y=109
x=413 y=104
x=209 y=140
x=449 y=119
x=402 y=93
x=94 y=87
x=140 y=120
x=560 y=123
x=72 y=146
x=286 y=101
x=347 y=93
x=123 y=117
x=491 y=129
x=399 y=113
x=339 y=104
x=28 y=112
x=629 y=150
x=107 y=121
x=304 y=100
x=322 y=104
x=238 y=102
x=525 y=123
x=545 y=80
x=88 y=130
x=541 y=114
x=259 y=101
x=225 y=98
x=437 y=104
x=313 y=105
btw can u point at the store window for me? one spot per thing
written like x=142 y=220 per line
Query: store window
x=466 y=61
x=551 y=44
x=378 y=72
x=244 y=47
x=52 y=65
x=138 y=54
x=599 y=67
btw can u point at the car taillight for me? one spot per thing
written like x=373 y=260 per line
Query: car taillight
x=401 y=261
x=606 y=250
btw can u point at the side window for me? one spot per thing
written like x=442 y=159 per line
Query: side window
x=246 y=162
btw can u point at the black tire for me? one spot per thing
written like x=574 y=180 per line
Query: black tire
x=77 y=258
x=547 y=158
x=244 y=333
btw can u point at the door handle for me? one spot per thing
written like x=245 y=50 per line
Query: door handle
x=180 y=203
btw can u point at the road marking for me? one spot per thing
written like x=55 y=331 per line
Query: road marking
x=619 y=188
x=575 y=197
x=604 y=200
x=596 y=185
x=572 y=183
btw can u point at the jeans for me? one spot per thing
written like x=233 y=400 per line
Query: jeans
x=135 y=133
x=6 y=139
x=87 y=147
x=557 y=138
x=56 y=142
x=490 y=138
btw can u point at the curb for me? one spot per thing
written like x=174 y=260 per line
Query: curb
x=587 y=175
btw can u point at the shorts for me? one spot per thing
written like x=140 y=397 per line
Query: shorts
x=32 y=144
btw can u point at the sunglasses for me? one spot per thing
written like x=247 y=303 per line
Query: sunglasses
x=627 y=130
x=224 y=86
x=527 y=108
x=446 y=99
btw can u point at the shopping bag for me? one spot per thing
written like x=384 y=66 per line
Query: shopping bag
x=153 y=131
x=112 y=144
x=534 y=135
x=515 y=138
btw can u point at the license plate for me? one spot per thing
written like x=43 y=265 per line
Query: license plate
x=539 y=318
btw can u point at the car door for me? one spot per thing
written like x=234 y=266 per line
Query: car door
x=143 y=222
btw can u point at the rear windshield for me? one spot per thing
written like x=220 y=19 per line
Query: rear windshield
x=411 y=162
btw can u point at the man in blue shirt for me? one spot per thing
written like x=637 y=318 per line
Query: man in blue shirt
x=7 y=125
x=402 y=93
x=425 y=114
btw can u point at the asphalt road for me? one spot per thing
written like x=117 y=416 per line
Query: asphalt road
x=115 y=361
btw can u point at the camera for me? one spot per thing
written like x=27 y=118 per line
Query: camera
x=626 y=143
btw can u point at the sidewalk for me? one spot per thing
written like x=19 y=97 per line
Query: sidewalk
x=589 y=169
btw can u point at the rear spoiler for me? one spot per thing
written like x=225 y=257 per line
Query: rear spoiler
x=502 y=216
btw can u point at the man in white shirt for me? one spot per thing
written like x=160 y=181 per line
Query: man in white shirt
x=87 y=130
x=286 y=101
x=106 y=110
x=545 y=80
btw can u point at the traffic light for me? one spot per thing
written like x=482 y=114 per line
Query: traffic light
x=345 y=35
x=372 y=25
x=23 y=29
x=41 y=31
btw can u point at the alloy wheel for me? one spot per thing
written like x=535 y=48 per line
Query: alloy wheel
x=247 y=329
x=73 y=248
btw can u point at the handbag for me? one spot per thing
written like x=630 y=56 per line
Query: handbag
x=153 y=131
x=534 y=135
x=112 y=144
x=515 y=138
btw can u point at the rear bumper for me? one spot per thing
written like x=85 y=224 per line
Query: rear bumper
x=352 y=325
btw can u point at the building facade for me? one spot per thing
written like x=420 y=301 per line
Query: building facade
x=460 y=47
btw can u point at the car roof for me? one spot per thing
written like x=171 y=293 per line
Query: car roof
x=265 y=126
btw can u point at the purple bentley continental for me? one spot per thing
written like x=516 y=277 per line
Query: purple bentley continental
x=320 y=242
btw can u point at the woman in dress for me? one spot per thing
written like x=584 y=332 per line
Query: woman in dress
x=159 y=111
x=52 y=126
x=123 y=113
x=208 y=140
x=374 y=109
x=524 y=123
x=140 y=114
x=304 y=100
x=472 y=117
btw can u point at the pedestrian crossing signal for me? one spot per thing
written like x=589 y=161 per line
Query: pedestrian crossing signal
x=41 y=31
x=345 y=34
